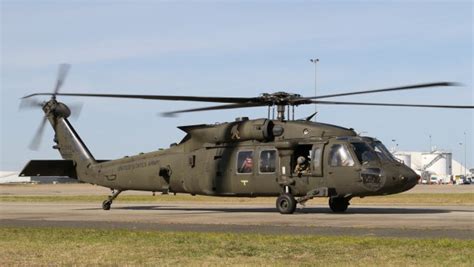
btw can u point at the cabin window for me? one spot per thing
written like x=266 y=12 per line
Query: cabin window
x=245 y=162
x=340 y=156
x=267 y=161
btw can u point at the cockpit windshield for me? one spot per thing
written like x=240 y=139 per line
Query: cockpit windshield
x=363 y=152
x=382 y=151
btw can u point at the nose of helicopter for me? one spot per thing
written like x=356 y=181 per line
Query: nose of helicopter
x=409 y=180
x=400 y=179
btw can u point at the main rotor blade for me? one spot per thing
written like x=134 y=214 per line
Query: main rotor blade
x=408 y=87
x=162 y=97
x=229 y=106
x=35 y=143
x=389 y=104
x=62 y=73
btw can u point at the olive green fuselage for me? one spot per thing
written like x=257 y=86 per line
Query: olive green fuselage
x=207 y=162
x=244 y=158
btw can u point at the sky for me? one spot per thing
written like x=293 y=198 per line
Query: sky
x=237 y=48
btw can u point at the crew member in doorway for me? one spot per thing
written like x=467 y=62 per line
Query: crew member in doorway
x=302 y=166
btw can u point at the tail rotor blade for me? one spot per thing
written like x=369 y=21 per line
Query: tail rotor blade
x=62 y=73
x=30 y=103
x=35 y=143
x=75 y=109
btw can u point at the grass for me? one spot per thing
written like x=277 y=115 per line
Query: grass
x=64 y=246
x=405 y=199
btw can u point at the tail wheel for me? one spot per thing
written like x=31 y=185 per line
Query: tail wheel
x=286 y=204
x=106 y=204
x=338 y=204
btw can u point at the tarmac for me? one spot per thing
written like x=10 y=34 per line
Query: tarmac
x=360 y=220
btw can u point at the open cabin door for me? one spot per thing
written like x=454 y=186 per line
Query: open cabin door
x=311 y=172
x=313 y=156
x=317 y=160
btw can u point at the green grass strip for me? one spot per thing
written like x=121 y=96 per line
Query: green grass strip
x=65 y=246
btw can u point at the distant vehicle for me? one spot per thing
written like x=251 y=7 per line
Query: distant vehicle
x=434 y=180
x=459 y=179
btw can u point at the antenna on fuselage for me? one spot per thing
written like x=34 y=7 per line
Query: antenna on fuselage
x=311 y=116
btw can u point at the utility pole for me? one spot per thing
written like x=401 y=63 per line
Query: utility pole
x=315 y=61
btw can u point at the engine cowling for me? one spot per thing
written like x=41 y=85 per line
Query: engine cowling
x=242 y=130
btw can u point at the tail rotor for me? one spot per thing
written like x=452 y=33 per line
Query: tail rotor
x=32 y=103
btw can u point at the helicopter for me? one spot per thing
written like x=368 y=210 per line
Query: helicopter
x=294 y=160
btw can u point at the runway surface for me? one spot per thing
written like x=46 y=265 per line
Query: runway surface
x=406 y=221
x=362 y=220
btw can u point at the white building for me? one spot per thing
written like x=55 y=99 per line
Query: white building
x=7 y=177
x=437 y=163
x=10 y=177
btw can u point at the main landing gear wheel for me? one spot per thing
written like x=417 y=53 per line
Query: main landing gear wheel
x=338 y=204
x=286 y=204
x=106 y=204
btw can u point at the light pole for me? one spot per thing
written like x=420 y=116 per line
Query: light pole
x=315 y=61
x=460 y=165
x=465 y=155
x=430 y=145
x=395 y=145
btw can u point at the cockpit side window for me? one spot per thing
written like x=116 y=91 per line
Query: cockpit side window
x=363 y=152
x=383 y=152
x=339 y=156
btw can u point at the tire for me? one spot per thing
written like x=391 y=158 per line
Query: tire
x=286 y=204
x=106 y=205
x=338 y=204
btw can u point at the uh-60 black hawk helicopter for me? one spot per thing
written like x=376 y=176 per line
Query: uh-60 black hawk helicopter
x=293 y=160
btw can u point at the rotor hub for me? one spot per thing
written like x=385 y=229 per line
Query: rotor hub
x=281 y=98
x=57 y=108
